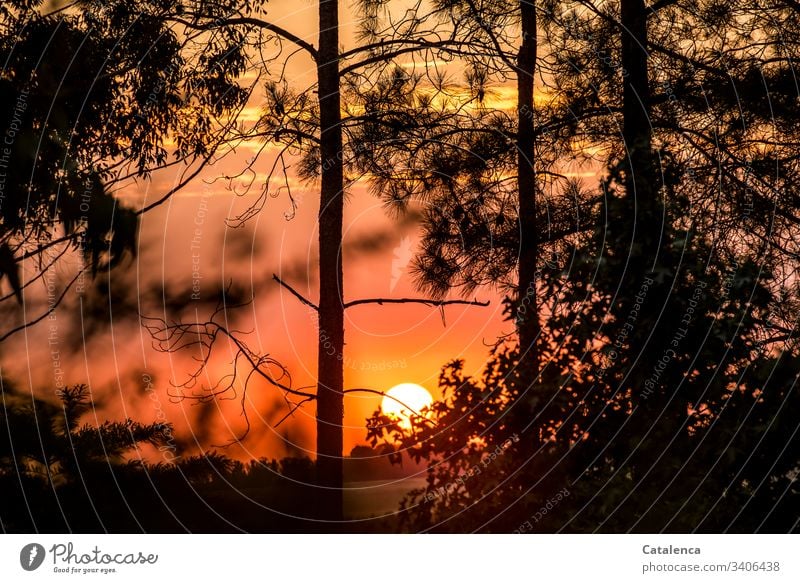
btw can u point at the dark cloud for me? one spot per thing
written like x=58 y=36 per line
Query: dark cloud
x=373 y=243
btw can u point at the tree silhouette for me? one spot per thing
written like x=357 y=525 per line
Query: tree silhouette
x=60 y=473
x=497 y=207
x=662 y=375
x=652 y=377
x=45 y=447
x=315 y=131
x=92 y=97
x=685 y=89
x=717 y=109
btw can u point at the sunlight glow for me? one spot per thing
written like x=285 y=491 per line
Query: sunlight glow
x=414 y=399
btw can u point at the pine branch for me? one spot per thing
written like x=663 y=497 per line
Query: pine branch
x=424 y=301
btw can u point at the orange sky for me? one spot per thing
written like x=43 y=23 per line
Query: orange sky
x=385 y=345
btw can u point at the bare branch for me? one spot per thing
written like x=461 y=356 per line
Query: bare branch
x=256 y=22
x=293 y=409
x=170 y=337
x=52 y=307
x=424 y=301
x=294 y=292
x=393 y=398
x=455 y=48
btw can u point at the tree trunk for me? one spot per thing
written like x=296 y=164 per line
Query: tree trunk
x=330 y=381
x=636 y=88
x=527 y=307
x=641 y=234
x=641 y=188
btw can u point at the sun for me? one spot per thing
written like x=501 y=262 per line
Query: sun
x=413 y=398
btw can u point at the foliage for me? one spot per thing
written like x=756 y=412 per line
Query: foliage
x=653 y=401
x=61 y=475
x=92 y=98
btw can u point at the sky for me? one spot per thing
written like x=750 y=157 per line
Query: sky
x=188 y=248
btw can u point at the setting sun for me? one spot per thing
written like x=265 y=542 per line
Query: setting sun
x=405 y=399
